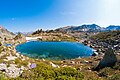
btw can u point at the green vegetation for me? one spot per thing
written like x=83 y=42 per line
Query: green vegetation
x=1 y=48
x=19 y=62
x=51 y=35
x=117 y=66
x=46 y=72
x=110 y=36
x=110 y=73
x=115 y=77
x=2 y=77
x=0 y=44
x=105 y=72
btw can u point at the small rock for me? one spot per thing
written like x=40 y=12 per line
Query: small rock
x=95 y=54
x=3 y=66
x=13 y=71
x=53 y=65
x=11 y=57
x=72 y=62
x=64 y=66
x=85 y=61
x=43 y=59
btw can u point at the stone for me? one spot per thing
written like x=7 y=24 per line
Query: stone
x=64 y=66
x=29 y=65
x=79 y=68
x=95 y=54
x=11 y=57
x=54 y=65
x=72 y=62
x=43 y=59
x=13 y=71
x=108 y=60
x=3 y=66
x=85 y=61
x=78 y=63
x=17 y=54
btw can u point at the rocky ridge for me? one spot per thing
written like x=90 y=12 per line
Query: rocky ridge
x=87 y=28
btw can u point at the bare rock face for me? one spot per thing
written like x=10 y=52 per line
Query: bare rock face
x=108 y=60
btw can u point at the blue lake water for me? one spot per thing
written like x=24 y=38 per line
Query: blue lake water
x=54 y=50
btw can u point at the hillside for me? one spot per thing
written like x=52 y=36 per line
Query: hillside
x=105 y=36
x=5 y=34
x=104 y=40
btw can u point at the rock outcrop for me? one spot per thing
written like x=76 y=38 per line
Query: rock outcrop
x=20 y=37
x=108 y=60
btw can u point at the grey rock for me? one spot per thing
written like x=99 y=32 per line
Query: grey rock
x=3 y=66
x=13 y=71
x=95 y=54
x=108 y=60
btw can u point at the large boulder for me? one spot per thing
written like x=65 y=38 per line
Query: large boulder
x=108 y=60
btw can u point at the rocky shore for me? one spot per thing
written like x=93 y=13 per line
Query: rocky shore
x=100 y=44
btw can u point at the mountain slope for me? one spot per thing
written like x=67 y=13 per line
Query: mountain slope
x=4 y=33
x=88 y=28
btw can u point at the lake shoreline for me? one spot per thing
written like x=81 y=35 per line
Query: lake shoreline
x=52 y=43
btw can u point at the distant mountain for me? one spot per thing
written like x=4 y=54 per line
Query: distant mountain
x=113 y=27
x=85 y=28
x=92 y=27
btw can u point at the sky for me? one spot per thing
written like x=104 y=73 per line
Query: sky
x=30 y=15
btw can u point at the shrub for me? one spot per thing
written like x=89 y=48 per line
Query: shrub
x=64 y=77
x=2 y=77
x=117 y=66
x=17 y=61
x=47 y=72
x=105 y=72
x=0 y=44
x=115 y=77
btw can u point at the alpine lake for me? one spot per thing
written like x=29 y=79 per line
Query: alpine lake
x=54 y=50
